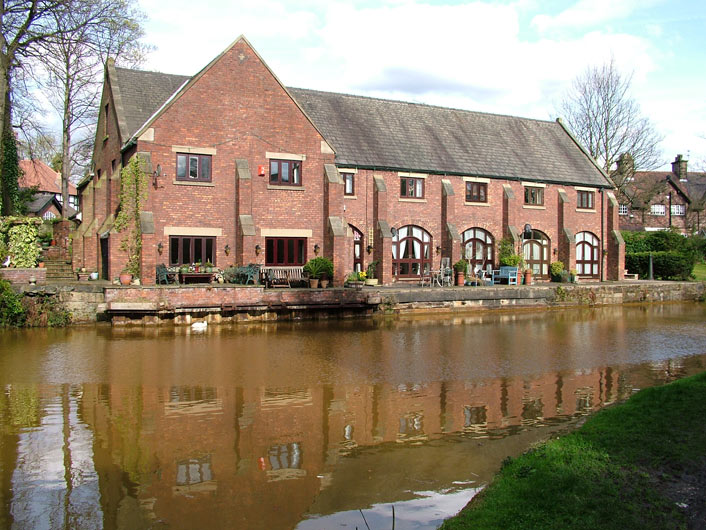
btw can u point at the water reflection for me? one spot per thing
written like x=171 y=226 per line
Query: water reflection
x=280 y=426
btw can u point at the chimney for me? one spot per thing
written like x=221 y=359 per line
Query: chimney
x=679 y=168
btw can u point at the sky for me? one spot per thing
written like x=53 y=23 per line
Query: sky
x=515 y=57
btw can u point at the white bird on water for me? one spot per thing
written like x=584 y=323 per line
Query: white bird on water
x=199 y=326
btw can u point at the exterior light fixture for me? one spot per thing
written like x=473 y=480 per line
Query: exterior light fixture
x=155 y=175
x=258 y=249
x=160 y=248
x=317 y=248
x=369 y=248
x=227 y=249
x=438 y=249
x=527 y=232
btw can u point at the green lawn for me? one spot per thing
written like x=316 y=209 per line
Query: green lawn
x=700 y=272
x=610 y=473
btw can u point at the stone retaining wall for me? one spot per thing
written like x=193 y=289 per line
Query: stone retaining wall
x=92 y=302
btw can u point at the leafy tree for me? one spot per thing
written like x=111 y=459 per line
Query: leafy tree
x=10 y=173
x=607 y=121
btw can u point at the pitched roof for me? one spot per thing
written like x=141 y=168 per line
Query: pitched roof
x=380 y=133
x=392 y=134
x=143 y=93
x=37 y=173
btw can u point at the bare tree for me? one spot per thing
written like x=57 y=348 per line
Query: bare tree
x=25 y=25
x=607 y=121
x=74 y=64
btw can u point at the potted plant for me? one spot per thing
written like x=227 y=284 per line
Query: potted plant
x=315 y=268
x=555 y=270
x=352 y=280
x=460 y=268
x=125 y=277
x=527 y=279
x=370 y=278
x=573 y=276
x=197 y=266
x=208 y=266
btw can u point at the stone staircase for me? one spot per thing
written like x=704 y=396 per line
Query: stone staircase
x=59 y=271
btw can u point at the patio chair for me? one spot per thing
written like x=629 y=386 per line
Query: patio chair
x=252 y=273
x=164 y=276
x=445 y=278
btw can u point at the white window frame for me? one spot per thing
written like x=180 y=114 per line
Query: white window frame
x=679 y=210
x=623 y=209
x=659 y=210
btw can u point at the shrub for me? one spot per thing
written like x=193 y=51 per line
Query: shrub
x=512 y=260
x=665 y=265
x=22 y=245
x=460 y=266
x=318 y=267
x=555 y=269
x=12 y=313
x=370 y=271
x=45 y=311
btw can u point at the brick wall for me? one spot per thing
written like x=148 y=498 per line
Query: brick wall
x=22 y=276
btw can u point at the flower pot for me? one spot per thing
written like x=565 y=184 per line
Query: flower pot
x=41 y=264
x=324 y=284
x=371 y=281
x=93 y=276
x=125 y=279
x=460 y=279
x=313 y=283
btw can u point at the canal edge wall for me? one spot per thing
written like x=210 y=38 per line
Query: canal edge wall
x=89 y=303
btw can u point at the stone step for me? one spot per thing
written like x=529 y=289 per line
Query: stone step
x=59 y=270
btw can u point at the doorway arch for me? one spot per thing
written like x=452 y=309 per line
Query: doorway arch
x=479 y=248
x=535 y=250
x=587 y=255
x=411 y=252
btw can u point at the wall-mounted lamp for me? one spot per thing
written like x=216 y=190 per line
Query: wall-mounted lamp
x=527 y=231
x=554 y=251
x=369 y=249
x=438 y=250
x=156 y=174
x=227 y=249
x=160 y=248
x=317 y=248
x=258 y=249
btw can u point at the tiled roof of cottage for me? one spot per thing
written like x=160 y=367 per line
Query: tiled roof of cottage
x=37 y=173
x=380 y=133
x=143 y=93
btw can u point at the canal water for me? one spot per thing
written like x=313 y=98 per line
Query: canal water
x=312 y=425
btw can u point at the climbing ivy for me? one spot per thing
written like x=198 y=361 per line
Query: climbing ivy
x=133 y=194
x=22 y=245
x=10 y=174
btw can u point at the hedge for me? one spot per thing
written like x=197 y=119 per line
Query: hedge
x=665 y=265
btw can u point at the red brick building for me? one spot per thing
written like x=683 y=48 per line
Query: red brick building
x=245 y=170
x=658 y=200
x=47 y=202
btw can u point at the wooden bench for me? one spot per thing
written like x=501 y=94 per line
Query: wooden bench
x=281 y=276
x=505 y=273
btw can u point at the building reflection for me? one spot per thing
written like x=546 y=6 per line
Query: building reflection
x=191 y=456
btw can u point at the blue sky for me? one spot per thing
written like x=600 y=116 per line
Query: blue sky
x=507 y=57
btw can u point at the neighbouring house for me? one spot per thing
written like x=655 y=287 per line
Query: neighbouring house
x=47 y=202
x=242 y=169
x=659 y=200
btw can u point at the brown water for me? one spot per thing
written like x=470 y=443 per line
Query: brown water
x=302 y=425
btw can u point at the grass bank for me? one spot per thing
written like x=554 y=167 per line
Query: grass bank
x=699 y=272
x=640 y=464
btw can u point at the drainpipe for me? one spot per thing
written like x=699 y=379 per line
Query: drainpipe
x=670 y=209
x=603 y=237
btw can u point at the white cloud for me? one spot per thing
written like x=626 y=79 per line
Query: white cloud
x=587 y=13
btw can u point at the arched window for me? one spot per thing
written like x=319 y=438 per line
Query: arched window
x=587 y=255
x=411 y=252
x=536 y=253
x=357 y=249
x=479 y=248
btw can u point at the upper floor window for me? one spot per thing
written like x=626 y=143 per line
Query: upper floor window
x=286 y=172
x=193 y=167
x=623 y=209
x=678 y=209
x=349 y=182
x=411 y=187
x=658 y=209
x=476 y=192
x=585 y=199
x=534 y=196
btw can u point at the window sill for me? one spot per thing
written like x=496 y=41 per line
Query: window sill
x=585 y=210
x=485 y=204
x=290 y=188
x=350 y=197
x=188 y=183
x=533 y=207
x=402 y=199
